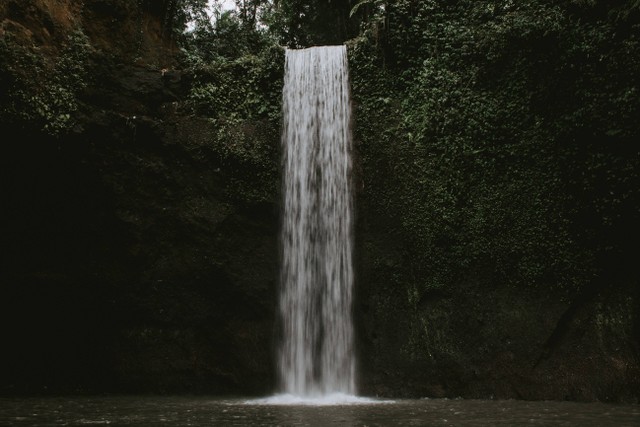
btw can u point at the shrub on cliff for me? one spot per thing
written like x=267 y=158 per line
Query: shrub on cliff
x=43 y=90
x=505 y=134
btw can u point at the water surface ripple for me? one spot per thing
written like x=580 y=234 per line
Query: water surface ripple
x=207 y=411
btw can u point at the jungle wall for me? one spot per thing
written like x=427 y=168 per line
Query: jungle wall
x=496 y=185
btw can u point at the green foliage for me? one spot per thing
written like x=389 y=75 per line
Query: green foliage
x=499 y=136
x=41 y=93
x=242 y=95
x=293 y=23
x=228 y=37
x=487 y=115
x=242 y=87
x=235 y=69
x=177 y=13
x=299 y=23
x=363 y=4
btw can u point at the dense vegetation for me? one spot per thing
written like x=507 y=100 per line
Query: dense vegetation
x=497 y=140
x=499 y=137
x=41 y=94
x=496 y=147
x=509 y=137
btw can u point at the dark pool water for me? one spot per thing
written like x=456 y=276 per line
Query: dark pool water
x=203 y=411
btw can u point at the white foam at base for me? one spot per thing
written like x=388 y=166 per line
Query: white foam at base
x=332 y=399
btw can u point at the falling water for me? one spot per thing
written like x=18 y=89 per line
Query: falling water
x=316 y=355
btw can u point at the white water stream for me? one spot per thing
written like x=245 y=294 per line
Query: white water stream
x=316 y=356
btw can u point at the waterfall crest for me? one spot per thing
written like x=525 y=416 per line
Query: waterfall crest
x=316 y=355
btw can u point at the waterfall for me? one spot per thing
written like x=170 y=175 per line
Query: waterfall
x=316 y=355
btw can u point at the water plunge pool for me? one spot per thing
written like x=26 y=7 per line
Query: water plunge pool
x=208 y=411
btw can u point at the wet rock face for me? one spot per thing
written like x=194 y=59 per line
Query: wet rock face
x=128 y=262
x=484 y=339
x=113 y=26
x=127 y=265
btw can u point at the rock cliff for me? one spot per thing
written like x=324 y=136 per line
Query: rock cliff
x=140 y=237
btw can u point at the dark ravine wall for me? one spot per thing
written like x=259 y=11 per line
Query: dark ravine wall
x=125 y=268
x=484 y=340
x=496 y=254
x=140 y=244
x=132 y=259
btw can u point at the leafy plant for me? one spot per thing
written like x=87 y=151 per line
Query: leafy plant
x=498 y=137
x=41 y=93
